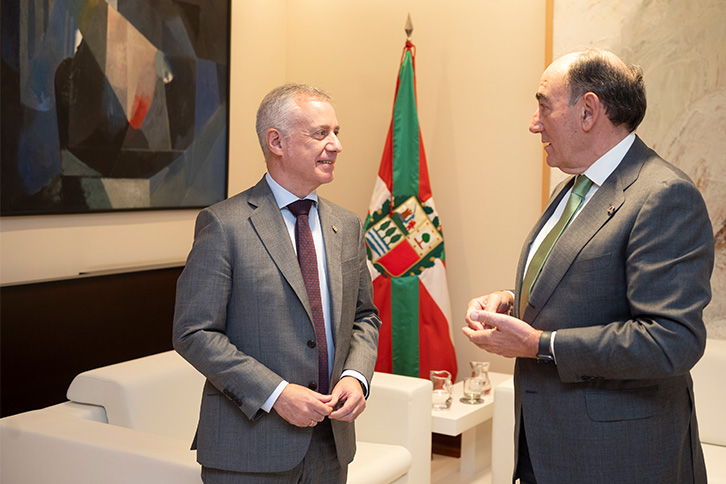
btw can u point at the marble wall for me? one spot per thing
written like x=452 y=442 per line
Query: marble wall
x=682 y=49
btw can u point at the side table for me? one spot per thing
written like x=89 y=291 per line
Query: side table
x=463 y=418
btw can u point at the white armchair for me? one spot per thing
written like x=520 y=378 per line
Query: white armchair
x=710 y=395
x=503 y=433
x=134 y=421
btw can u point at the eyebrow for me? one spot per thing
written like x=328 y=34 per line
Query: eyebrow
x=540 y=96
x=326 y=127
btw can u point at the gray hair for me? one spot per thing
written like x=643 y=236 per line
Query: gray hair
x=619 y=86
x=276 y=109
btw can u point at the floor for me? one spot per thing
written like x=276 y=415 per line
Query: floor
x=445 y=470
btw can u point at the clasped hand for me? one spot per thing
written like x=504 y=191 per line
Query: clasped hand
x=491 y=328
x=303 y=407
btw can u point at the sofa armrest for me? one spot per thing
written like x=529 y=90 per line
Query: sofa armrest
x=710 y=393
x=57 y=445
x=398 y=412
x=131 y=392
x=503 y=433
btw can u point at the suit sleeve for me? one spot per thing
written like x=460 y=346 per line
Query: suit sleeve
x=669 y=255
x=200 y=318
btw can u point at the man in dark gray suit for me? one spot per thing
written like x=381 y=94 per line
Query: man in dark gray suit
x=246 y=319
x=606 y=320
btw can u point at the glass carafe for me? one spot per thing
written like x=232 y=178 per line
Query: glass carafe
x=478 y=384
x=441 y=398
x=480 y=369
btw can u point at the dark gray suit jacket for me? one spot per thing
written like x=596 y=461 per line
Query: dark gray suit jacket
x=625 y=287
x=243 y=319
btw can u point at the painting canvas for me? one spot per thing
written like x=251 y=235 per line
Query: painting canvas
x=113 y=105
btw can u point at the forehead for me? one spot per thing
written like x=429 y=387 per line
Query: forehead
x=552 y=85
x=315 y=112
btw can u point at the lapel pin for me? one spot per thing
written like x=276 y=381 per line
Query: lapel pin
x=335 y=229
x=611 y=210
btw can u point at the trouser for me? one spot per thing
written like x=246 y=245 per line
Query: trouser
x=319 y=466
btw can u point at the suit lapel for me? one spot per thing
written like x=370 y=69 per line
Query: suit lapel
x=270 y=226
x=554 y=200
x=600 y=210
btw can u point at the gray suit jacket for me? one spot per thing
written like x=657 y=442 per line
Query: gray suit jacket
x=243 y=319
x=625 y=287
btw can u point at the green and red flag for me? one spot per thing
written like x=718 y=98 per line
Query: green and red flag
x=406 y=247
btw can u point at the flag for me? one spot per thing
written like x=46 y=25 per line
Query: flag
x=405 y=247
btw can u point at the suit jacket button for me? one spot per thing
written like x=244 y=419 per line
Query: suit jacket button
x=311 y=344
x=313 y=386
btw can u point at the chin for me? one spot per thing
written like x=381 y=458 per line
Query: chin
x=326 y=179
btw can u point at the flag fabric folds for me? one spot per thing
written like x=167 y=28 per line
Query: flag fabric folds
x=406 y=247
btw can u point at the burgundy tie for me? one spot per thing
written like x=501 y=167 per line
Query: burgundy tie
x=309 y=268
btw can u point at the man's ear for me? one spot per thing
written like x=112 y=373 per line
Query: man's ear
x=591 y=110
x=273 y=138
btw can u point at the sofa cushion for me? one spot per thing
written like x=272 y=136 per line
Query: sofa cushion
x=164 y=401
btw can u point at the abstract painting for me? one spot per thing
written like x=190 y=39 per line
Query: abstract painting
x=113 y=105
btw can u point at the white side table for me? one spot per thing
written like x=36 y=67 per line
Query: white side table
x=463 y=418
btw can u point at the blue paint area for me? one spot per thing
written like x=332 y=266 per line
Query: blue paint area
x=39 y=160
x=207 y=93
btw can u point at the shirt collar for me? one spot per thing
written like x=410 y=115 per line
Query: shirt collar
x=599 y=171
x=284 y=197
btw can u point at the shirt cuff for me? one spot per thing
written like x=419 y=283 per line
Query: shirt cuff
x=358 y=376
x=552 y=346
x=267 y=406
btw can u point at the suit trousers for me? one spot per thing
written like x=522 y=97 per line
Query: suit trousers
x=319 y=466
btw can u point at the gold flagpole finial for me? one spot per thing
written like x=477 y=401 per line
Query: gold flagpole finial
x=409 y=28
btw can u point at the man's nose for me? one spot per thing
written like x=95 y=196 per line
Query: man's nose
x=334 y=143
x=535 y=126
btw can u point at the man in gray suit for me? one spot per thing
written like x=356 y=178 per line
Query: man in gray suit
x=246 y=319
x=606 y=320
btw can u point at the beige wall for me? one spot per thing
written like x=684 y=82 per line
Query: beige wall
x=478 y=65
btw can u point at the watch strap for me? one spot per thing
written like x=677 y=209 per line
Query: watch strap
x=543 y=352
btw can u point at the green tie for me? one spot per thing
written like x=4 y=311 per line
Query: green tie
x=582 y=185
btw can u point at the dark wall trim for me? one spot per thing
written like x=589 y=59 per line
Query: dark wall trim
x=51 y=331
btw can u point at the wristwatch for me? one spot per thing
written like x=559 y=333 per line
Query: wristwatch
x=543 y=352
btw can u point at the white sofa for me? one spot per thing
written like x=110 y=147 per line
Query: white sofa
x=710 y=394
x=133 y=422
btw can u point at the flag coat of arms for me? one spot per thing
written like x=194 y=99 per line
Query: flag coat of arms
x=405 y=247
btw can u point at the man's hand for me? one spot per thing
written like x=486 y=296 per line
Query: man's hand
x=501 y=334
x=301 y=406
x=497 y=302
x=348 y=400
